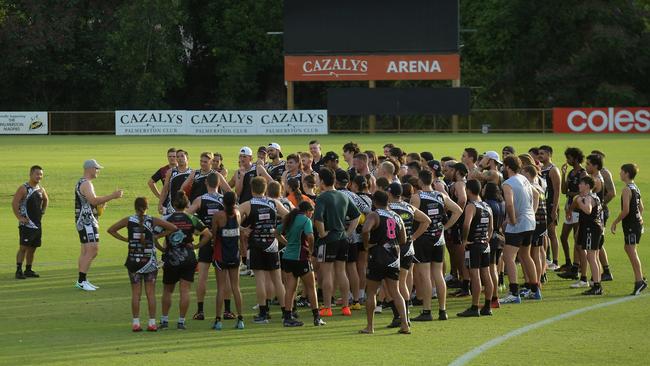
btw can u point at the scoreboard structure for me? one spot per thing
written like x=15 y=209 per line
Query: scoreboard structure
x=375 y=40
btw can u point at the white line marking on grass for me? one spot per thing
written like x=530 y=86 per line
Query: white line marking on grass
x=464 y=359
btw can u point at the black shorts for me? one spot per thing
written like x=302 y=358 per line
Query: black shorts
x=89 y=234
x=632 y=234
x=477 y=256
x=426 y=250
x=263 y=261
x=30 y=237
x=332 y=251
x=522 y=239
x=406 y=253
x=136 y=277
x=297 y=268
x=539 y=234
x=549 y=211
x=205 y=253
x=455 y=235
x=353 y=252
x=589 y=237
x=383 y=264
x=495 y=251
x=219 y=266
x=173 y=274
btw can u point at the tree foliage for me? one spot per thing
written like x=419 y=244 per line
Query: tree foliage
x=114 y=54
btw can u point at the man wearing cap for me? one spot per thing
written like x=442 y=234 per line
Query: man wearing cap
x=492 y=163
x=507 y=151
x=86 y=215
x=247 y=171
x=331 y=161
x=276 y=166
x=436 y=168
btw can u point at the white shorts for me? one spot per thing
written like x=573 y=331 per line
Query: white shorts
x=575 y=216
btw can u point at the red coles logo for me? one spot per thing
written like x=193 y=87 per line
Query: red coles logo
x=601 y=120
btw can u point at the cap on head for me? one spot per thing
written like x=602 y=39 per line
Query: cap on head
x=246 y=151
x=508 y=149
x=436 y=167
x=460 y=167
x=395 y=189
x=92 y=163
x=276 y=146
x=261 y=149
x=330 y=155
x=493 y=155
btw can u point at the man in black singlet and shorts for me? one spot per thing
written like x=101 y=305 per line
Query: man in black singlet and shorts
x=574 y=158
x=174 y=180
x=551 y=174
x=160 y=174
x=29 y=205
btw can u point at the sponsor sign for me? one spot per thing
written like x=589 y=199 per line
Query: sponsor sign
x=601 y=120
x=149 y=123
x=23 y=123
x=282 y=122
x=372 y=67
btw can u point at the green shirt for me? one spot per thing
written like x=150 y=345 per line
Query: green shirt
x=297 y=246
x=332 y=207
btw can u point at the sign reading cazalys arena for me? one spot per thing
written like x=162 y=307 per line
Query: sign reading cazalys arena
x=372 y=67
x=601 y=120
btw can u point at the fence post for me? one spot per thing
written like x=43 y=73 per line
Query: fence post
x=543 y=120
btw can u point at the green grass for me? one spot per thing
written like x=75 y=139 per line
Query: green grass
x=47 y=321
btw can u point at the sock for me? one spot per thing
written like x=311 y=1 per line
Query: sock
x=362 y=293
x=28 y=268
x=181 y=320
x=217 y=319
x=394 y=309
x=597 y=284
x=200 y=304
x=226 y=305
x=555 y=261
x=514 y=289
x=286 y=314
x=239 y=317
x=19 y=267
x=152 y=322
x=268 y=302
x=264 y=309
x=319 y=293
x=494 y=298
x=82 y=277
x=465 y=286
x=534 y=287
x=486 y=304
x=426 y=311
x=474 y=308
x=583 y=278
x=574 y=267
x=136 y=321
x=244 y=260
x=605 y=269
x=500 y=278
x=314 y=313
x=164 y=318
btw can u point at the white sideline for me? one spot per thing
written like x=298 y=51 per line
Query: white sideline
x=464 y=359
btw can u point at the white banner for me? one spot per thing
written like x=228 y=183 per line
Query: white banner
x=217 y=123
x=149 y=123
x=23 y=123
x=297 y=122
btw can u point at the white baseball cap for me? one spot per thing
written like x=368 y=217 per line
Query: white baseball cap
x=92 y=163
x=246 y=151
x=276 y=146
x=494 y=156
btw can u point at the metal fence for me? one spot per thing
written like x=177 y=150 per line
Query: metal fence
x=479 y=120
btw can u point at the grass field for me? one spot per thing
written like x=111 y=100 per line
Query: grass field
x=47 y=321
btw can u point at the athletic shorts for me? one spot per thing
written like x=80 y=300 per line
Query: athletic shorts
x=30 y=237
x=549 y=211
x=173 y=274
x=136 y=277
x=383 y=263
x=589 y=237
x=205 y=253
x=632 y=234
x=455 y=235
x=332 y=251
x=522 y=239
x=538 y=235
x=353 y=252
x=263 y=261
x=575 y=216
x=220 y=266
x=426 y=250
x=296 y=267
x=89 y=234
x=477 y=256
x=406 y=253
